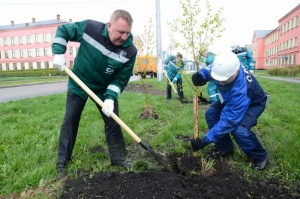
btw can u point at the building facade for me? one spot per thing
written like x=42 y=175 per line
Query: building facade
x=279 y=47
x=28 y=45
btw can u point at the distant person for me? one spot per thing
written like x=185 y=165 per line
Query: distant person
x=242 y=101
x=208 y=57
x=244 y=56
x=173 y=68
x=104 y=63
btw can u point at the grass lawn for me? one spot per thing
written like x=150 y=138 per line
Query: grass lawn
x=30 y=129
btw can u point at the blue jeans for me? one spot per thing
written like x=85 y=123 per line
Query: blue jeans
x=69 y=129
x=242 y=134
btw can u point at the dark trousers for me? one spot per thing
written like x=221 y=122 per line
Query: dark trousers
x=69 y=129
x=242 y=134
x=179 y=89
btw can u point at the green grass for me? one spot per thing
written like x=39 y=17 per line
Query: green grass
x=30 y=130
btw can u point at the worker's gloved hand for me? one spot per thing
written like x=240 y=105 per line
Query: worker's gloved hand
x=59 y=62
x=198 y=80
x=174 y=81
x=197 y=144
x=108 y=107
x=165 y=72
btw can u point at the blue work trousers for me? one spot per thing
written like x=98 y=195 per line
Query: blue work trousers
x=242 y=134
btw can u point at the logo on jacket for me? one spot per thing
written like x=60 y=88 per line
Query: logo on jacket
x=109 y=70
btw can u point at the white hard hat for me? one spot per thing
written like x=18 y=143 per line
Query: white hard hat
x=224 y=66
x=234 y=46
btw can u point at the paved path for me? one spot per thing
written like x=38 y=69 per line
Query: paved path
x=30 y=91
x=285 y=79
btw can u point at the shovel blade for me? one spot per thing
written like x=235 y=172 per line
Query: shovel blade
x=156 y=156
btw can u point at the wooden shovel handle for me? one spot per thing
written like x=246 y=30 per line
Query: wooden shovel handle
x=196 y=106
x=99 y=101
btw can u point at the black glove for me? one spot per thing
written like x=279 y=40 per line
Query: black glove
x=197 y=144
x=198 y=80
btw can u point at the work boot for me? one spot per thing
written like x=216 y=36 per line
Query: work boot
x=223 y=154
x=260 y=165
x=123 y=164
x=61 y=168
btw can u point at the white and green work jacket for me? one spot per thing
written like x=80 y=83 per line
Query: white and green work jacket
x=102 y=66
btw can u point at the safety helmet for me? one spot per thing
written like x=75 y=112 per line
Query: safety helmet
x=234 y=46
x=224 y=66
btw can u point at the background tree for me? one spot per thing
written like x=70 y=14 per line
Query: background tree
x=143 y=60
x=197 y=28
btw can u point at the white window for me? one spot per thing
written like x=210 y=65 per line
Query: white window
x=20 y=40
x=36 y=38
x=45 y=38
x=21 y=53
x=12 y=41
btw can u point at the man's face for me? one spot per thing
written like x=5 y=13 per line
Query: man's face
x=119 y=31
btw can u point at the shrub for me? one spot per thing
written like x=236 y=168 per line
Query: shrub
x=32 y=73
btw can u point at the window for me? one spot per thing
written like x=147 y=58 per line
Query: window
x=20 y=40
x=29 y=53
x=30 y=65
x=45 y=38
x=37 y=51
x=13 y=54
x=38 y=65
x=7 y=66
x=0 y=54
x=45 y=51
x=46 y=64
x=1 y=67
x=12 y=41
x=52 y=37
x=21 y=53
x=36 y=38
x=22 y=66
x=6 y=55
x=15 y=66
x=71 y=63
x=71 y=50
x=5 y=41
x=29 y=39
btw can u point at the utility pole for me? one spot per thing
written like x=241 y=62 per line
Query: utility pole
x=159 y=61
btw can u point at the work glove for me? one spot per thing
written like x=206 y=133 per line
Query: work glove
x=198 y=80
x=198 y=144
x=165 y=72
x=108 y=107
x=174 y=81
x=59 y=62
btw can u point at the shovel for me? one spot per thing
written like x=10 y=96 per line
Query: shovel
x=117 y=119
x=171 y=84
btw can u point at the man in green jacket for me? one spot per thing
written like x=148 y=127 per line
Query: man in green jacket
x=104 y=62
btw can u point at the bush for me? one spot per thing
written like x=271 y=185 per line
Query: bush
x=32 y=73
x=292 y=71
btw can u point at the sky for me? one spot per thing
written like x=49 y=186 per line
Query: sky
x=243 y=17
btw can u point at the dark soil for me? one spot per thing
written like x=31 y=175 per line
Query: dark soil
x=186 y=182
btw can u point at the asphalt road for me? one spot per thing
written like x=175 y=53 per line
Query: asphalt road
x=30 y=91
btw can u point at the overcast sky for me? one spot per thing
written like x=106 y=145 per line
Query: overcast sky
x=242 y=16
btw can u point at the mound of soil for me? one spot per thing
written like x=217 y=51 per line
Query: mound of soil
x=185 y=182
